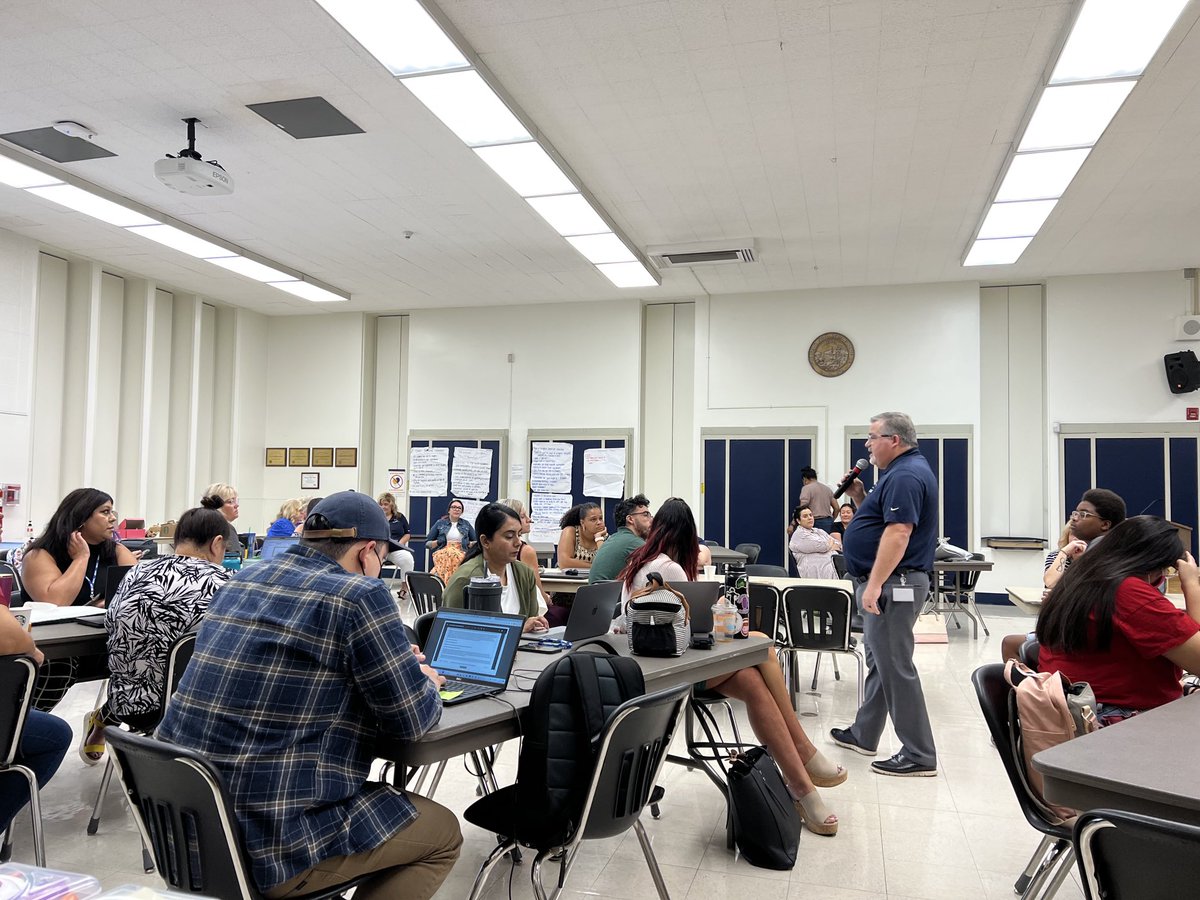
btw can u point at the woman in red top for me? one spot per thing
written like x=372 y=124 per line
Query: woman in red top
x=1107 y=624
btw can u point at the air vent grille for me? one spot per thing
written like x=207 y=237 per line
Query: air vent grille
x=709 y=253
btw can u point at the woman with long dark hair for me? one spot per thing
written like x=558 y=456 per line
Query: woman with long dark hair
x=1106 y=623
x=583 y=532
x=66 y=566
x=497 y=552
x=672 y=550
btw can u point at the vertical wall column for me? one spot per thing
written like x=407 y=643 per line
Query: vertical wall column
x=48 y=436
x=390 y=410
x=186 y=325
x=101 y=451
x=132 y=362
x=668 y=398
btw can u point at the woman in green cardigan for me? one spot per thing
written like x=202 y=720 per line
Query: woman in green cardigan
x=496 y=552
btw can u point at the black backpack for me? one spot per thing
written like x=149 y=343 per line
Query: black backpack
x=570 y=703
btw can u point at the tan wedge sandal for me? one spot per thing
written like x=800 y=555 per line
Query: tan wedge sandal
x=825 y=774
x=813 y=814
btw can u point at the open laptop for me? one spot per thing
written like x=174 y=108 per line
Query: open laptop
x=592 y=614
x=113 y=576
x=700 y=595
x=474 y=650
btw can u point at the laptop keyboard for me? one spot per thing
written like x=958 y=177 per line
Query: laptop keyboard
x=467 y=689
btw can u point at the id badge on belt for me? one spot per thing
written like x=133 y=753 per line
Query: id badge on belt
x=901 y=593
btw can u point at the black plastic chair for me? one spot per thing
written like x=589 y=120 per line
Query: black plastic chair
x=817 y=620
x=425 y=591
x=633 y=747
x=839 y=564
x=751 y=551
x=764 y=610
x=766 y=571
x=1051 y=861
x=17 y=674
x=1029 y=653
x=186 y=816
x=1128 y=856
x=178 y=656
x=148 y=546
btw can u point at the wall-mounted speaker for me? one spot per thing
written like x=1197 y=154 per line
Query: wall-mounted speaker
x=1187 y=328
x=1183 y=371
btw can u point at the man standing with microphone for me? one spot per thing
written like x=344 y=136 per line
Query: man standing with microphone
x=888 y=547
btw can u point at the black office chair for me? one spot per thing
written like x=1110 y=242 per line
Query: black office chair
x=817 y=619
x=1029 y=653
x=751 y=551
x=17 y=674
x=632 y=749
x=1127 y=856
x=148 y=546
x=185 y=814
x=765 y=571
x=1051 y=861
x=178 y=656
x=425 y=591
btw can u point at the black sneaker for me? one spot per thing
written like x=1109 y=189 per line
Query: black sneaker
x=843 y=738
x=903 y=767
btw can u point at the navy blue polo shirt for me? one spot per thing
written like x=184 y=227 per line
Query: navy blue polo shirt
x=906 y=492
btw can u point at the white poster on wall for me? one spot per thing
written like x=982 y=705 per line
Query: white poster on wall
x=471 y=509
x=429 y=472
x=604 y=472
x=550 y=467
x=471 y=474
x=546 y=510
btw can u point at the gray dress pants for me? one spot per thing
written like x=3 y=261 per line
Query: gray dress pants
x=893 y=687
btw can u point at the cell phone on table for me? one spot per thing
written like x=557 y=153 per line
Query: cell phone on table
x=92 y=621
x=534 y=647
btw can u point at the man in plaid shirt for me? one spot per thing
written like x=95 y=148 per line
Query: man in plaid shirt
x=300 y=662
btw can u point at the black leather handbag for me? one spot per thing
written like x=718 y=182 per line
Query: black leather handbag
x=766 y=824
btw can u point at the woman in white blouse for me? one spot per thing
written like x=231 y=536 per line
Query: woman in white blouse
x=812 y=548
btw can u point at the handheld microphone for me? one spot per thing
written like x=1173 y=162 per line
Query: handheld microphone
x=854 y=473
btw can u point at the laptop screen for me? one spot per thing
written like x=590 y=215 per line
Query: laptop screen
x=474 y=645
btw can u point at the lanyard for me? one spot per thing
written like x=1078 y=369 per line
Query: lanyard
x=91 y=581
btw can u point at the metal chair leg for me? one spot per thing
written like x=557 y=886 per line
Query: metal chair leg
x=1034 y=861
x=816 y=669
x=651 y=861
x=35 y=812
x=494 y=857
x=147 y=860
x=862 y=665
x=6 y=846
x=975 y=609
x=1059 y=856
x=837 y=673
x=94 y=823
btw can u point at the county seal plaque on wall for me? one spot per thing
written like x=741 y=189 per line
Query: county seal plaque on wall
x=831 y=354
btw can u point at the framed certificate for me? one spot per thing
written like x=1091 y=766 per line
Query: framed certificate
x=322 y=456
x=277 y=456
x=310 y=481
x=346 y=456
x=298 y=456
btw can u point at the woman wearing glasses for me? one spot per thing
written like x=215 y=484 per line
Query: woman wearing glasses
x=224 y=497
x=65 y=566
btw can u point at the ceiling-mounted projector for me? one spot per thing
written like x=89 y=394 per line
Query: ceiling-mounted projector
x=189 y=174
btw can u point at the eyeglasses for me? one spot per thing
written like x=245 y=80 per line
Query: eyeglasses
x=644 y=512
x=875 y=437
x=1082 y=514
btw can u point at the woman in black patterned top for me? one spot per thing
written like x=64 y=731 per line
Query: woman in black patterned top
x=158 y=602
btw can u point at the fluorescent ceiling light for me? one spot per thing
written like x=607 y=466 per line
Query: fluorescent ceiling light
x=602 y=248
x=1073 y=115
x=252 y=269
x=19 y=175
x=527 y=168
x=91 y=205
x=1000 y=252
x=568 y=214
x=310 y=292
x=468 y=107
x=1115 y=38
x=1040 y=176
x=1020 y=219
x=628 y=274
x=398 y=33
x=180 y=240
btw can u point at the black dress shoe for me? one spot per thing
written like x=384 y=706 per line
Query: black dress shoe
x=904 y=767
x=844 y=738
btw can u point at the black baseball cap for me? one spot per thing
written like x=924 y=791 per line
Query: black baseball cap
x=349 y=515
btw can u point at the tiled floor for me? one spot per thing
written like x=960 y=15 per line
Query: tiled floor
x=958 y=836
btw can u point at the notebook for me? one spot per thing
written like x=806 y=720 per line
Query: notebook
x=473 y=650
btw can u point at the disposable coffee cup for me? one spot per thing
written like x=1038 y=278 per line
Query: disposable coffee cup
x=710 y=570
x=483 y=594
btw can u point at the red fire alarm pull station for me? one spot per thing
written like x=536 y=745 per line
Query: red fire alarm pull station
x=11 y=495
x=1193 y=413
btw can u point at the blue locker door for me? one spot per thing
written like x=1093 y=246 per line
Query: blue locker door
x=757 y=503
x=1077 y=471
x=954 y=491
x=715 y=490
x=1184 y=487
x=1134 y=468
